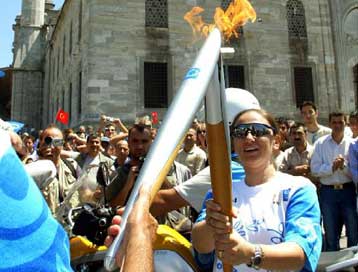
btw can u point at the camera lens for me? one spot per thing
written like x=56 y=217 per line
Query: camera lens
x=102 y=222
x=48 y=140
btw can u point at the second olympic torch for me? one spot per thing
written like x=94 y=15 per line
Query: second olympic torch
x=219 y=144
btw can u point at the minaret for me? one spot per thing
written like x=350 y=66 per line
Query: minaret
x=30 y=38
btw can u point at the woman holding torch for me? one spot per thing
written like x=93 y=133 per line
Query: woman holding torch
x=276 y=224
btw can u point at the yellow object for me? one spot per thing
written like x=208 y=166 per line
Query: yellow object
x=169 y=239
x=166 y=239
x=80 y=246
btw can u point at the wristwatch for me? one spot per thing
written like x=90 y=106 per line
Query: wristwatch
x=256 y=260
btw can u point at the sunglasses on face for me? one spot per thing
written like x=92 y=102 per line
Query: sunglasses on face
x=256 y=129
x=53 y=141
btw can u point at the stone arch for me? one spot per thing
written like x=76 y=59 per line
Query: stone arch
x=349 y=24
x=352 y=67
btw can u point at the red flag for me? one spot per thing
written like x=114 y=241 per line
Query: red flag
x=154 y=117
x=62 y=116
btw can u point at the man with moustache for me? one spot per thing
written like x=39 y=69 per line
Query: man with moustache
x=297 y=158
x=337 y=193
x=50 y=147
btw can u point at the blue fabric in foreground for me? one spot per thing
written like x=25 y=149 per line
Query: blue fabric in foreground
x=30 y=238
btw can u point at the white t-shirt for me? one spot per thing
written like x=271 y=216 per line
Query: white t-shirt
x=284 y=209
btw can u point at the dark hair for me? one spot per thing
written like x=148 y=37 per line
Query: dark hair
x=110 y=125
x=336 y=114
x=269 y=117
x=308 y=103
x=140 y=127
x=93 y=136
x=297 y=125
x=282 y=120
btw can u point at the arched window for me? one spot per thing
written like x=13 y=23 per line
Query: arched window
x=296 y=19
x=156 y=13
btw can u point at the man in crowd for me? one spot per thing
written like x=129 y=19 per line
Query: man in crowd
x=109 y=124
x=297 y=158
x=192 y=156
x=139 y=141
x=283 y=132
x=94 y=156
x=50 y=147
x=337 y=193
x=122 y=153
x=82 y=132
x=314 y=130
x=353 y=123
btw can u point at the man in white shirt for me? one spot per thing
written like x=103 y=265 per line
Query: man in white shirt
x=314 y=130
x=338 y=192
x=192 y=156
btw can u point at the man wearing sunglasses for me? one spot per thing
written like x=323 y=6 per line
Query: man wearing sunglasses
x=50 y=147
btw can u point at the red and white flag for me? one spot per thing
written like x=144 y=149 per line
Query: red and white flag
x=155 y=118
x=62 y=116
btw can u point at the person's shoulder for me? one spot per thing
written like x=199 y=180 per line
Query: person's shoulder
x=322 y=140
x=181 y=167
x=293 y=182
x=199 y=151
x=104 y=158
x=324 y=129
x=289 y=150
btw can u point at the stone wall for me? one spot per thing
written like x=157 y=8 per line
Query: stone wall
x=346 y=47
x=115 y=44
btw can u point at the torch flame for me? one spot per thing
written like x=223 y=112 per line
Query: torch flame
x=228 y=22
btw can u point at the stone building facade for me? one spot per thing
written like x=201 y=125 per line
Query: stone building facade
x=128 y=58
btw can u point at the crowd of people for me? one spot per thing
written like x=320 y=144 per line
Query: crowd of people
x=284 y=173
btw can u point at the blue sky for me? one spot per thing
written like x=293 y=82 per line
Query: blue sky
x=8 y=13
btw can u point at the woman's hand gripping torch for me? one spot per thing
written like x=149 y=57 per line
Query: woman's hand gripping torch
x=175 y=124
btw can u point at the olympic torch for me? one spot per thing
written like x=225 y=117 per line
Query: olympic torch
x=219 y=145
x=175 y=124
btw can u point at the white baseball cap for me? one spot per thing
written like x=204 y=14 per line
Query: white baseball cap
x=238 y=100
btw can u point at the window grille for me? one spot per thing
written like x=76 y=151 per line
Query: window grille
x=225 y=4
x=234 y=76
x=155 y=85
x=296 y=19
x=303 y=85
x=156 y=13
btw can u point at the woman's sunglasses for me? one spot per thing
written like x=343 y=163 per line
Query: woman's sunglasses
x=256 y=129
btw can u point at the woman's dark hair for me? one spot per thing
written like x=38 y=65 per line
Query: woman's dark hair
x=269 y=117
